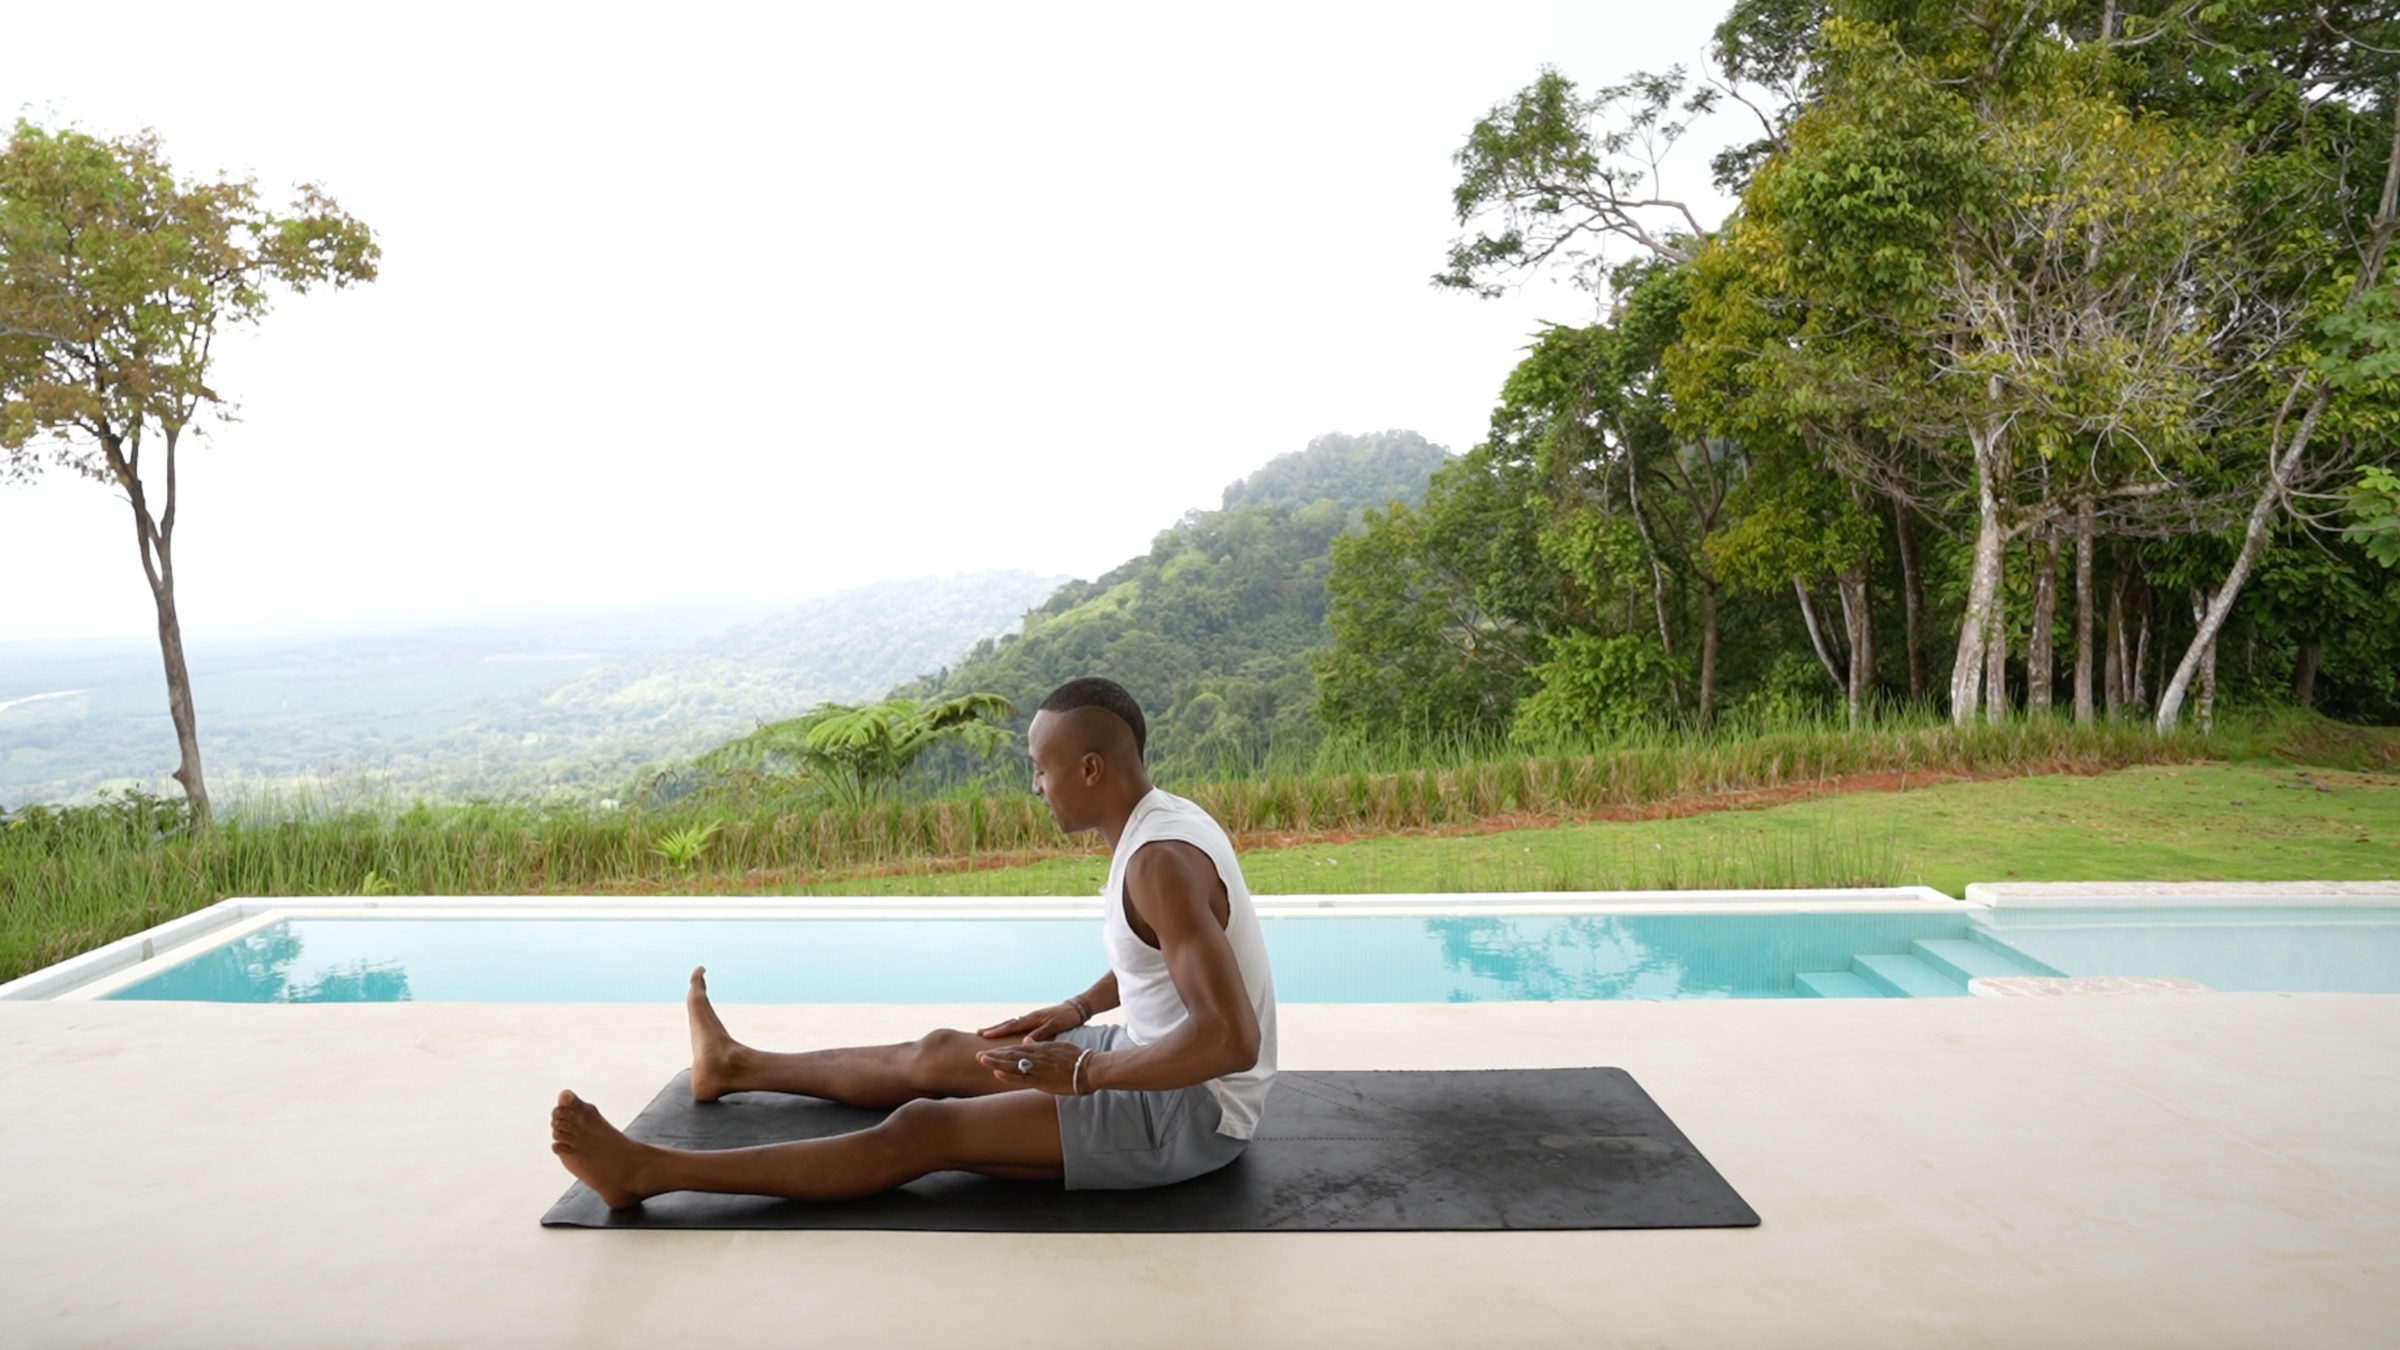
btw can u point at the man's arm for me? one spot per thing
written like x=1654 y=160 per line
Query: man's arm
x=1173 y=890
x=1044 y=1023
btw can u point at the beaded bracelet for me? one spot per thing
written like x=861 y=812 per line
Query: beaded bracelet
x=1082 y=1009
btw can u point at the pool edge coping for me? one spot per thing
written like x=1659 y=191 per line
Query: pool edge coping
x=128 y=959
x=2184 y=894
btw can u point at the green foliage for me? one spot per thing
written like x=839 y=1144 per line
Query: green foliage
x=1437 y=614
x=2374 y=511
x=1791 y=525
x=857 y=753
x=2329 y=594
x=1794 y=688
x=683 y=847
x=1595 y=686
x=122 y=816
x=115 y=276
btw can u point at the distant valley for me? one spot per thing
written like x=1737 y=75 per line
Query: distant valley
x=566 y=701
x=1214 y=627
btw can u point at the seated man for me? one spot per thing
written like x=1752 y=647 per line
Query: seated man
x=1173 y=1093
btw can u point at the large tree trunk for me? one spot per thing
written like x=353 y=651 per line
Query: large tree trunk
x=2254 y=542
x=1995 y=657
x=2045 y=618
x=179 y=690
x=1912 y=600
x=2120 y=651
x=1858 y=627
x=2284 y=465
x=154 y=536
x=2083 y=614
x=1816 y=633
x=1978 y=629
x=2204 y=712
x=1658 y=583
x=2304 y=675
x=2139 y=695
x=1708 y=649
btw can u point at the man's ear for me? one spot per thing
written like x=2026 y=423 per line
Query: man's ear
x=1094 y=766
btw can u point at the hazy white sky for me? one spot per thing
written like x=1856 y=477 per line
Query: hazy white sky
x=685 y=302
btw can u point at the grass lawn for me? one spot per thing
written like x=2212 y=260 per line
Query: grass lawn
x=2231 y=822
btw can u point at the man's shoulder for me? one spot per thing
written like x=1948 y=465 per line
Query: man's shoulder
x=1166 y=816
x=1168 y=852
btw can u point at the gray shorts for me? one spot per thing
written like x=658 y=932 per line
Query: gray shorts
x=1117 y=1140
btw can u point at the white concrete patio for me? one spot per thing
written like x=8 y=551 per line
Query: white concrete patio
x=2172 y=1170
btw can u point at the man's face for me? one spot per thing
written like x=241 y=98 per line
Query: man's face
x=1060 y=774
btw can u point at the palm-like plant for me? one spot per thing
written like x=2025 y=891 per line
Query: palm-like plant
x=858 y=751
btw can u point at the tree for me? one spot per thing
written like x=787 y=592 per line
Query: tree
x=116 y=279
x=2015 y=273
x=2364 y=345
x=857 y=752
x=1553 y=174
x=1437 y=614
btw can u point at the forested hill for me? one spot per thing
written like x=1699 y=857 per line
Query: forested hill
x=1212 y=627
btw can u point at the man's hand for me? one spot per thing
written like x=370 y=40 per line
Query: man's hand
x=1047 y=1065
x=1039 y=1025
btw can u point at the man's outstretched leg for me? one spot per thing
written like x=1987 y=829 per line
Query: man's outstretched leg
x=940 y=1064
x=1012 y=1135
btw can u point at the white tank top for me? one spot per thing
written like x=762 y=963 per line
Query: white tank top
x=1152 y=1007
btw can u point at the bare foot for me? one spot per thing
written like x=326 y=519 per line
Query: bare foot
x=598 y=1153
x=714 y=1050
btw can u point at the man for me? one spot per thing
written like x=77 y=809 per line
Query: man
x=1173 y=1093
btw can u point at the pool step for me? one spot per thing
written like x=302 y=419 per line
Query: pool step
x=1833 y=984
x=1990 y=941
x=1906 y=977
x=1963 y=960
x=1930 y=968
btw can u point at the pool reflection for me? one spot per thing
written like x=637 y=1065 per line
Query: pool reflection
x=260 y=968
x=1579 y=957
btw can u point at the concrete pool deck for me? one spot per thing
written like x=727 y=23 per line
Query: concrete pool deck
x=2186 y=1170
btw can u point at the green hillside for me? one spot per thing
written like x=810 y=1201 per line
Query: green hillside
x=1212 y=627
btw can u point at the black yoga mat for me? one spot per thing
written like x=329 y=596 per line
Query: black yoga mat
x=1336 y=1152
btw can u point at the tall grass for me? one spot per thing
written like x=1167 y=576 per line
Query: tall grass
x=70 y=880
x=1829 y=856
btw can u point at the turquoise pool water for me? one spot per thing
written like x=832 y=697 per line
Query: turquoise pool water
x=1345 y=959
x=2245 y=950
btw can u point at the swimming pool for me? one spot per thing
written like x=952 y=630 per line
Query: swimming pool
x=1917 y=951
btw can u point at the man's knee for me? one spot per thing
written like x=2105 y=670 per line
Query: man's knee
x=936 y=1059
x=926 y=1123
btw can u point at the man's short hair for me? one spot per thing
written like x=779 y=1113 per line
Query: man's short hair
x=1092 y=691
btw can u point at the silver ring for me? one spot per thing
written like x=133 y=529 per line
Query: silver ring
x=1025 y=1066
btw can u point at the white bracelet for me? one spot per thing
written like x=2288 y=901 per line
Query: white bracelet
x=1075 y=1080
